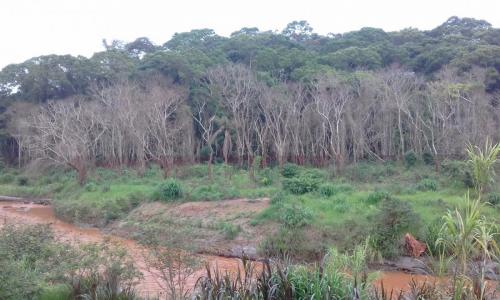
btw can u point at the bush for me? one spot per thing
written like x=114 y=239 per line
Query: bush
x=493 y=198
x=169 y=190
x=294 y=242
x=22 y=181
x=410 y=159
x=91 y=187
x=393 y=220
x=427 y=184
x=300 y=185
x=230 y=231
x=295 y=216
x=290 y=170
x=428 y=158
x=327 y=190
x=377 y=196
x=266 y=177
x=6 y=178
x=279 y=198
x=459 y=171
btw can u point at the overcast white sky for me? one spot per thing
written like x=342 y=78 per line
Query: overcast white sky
x=36 y=27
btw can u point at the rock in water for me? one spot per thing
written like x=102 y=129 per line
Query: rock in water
x=414 y=247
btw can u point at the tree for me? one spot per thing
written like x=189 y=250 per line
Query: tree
x=168 y=125
x=331 y=96
x=298 y=30
x=65 y=133
x=206 y=118
x=238 y=90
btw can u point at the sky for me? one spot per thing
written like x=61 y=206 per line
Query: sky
x=39 y=27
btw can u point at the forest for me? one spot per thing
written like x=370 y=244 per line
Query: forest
x=292 y=165
x=292 y=96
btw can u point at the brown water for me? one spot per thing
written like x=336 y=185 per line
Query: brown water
x=150 y=285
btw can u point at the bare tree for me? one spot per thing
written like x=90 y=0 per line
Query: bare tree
x=331 y=97
x=207 y=121
x=65 y=132
x=278 y=113
x=166 y=124
x=238 y=89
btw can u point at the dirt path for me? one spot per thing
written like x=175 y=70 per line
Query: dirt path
x=19 y=213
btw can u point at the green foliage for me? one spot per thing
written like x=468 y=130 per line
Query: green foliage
x=427 y=184
x=279 y=198
x=377 y=196
x=428 y=158
x=493 y=199
x=30 y=259
x=369 y=172
x=458 y=171
x=482 y=162
x=394 y=218
x=230 y=231
x=327 y=190
x=301 y=185
x=169 y=190
x=266 y=177
x=295 y=216
x=291 y=242
x=290 y=170
x=22 y=181
x=6 y=178
x=56 y=292
x=410 y=159
x=91 y=187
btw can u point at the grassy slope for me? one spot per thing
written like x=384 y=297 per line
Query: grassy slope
x=342 y=218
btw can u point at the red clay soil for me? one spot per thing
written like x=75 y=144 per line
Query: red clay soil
x=16 y=213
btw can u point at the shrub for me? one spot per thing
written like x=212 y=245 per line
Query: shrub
x=428 y=158
x=377 y=196
x=327 y=190
x=6 y=178
x=493 y=198
x=22 y=181
x=410 y=159
x=230 y=231
x=390 y=223
x=300 y=185
x=292 y=242
x=295 y=216
x=91 y=187
x=458 y=171
x=290 y=170
x=169 y=190
x=266 y=177
x=468 y=180
x=105 y=188
x=427 y=184
x=279 y=198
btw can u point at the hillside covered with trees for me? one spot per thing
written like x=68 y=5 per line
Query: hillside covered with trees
x=289 y=96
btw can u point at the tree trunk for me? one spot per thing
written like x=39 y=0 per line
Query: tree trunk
x=210 y=163
x=165 y=167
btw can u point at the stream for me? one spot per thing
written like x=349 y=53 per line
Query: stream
x=151 y=285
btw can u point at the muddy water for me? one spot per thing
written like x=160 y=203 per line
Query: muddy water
x=151 y=286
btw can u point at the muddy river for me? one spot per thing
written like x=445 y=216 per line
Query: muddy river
x=150 y=285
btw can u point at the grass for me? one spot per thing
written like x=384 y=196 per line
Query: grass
x=341 y=207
